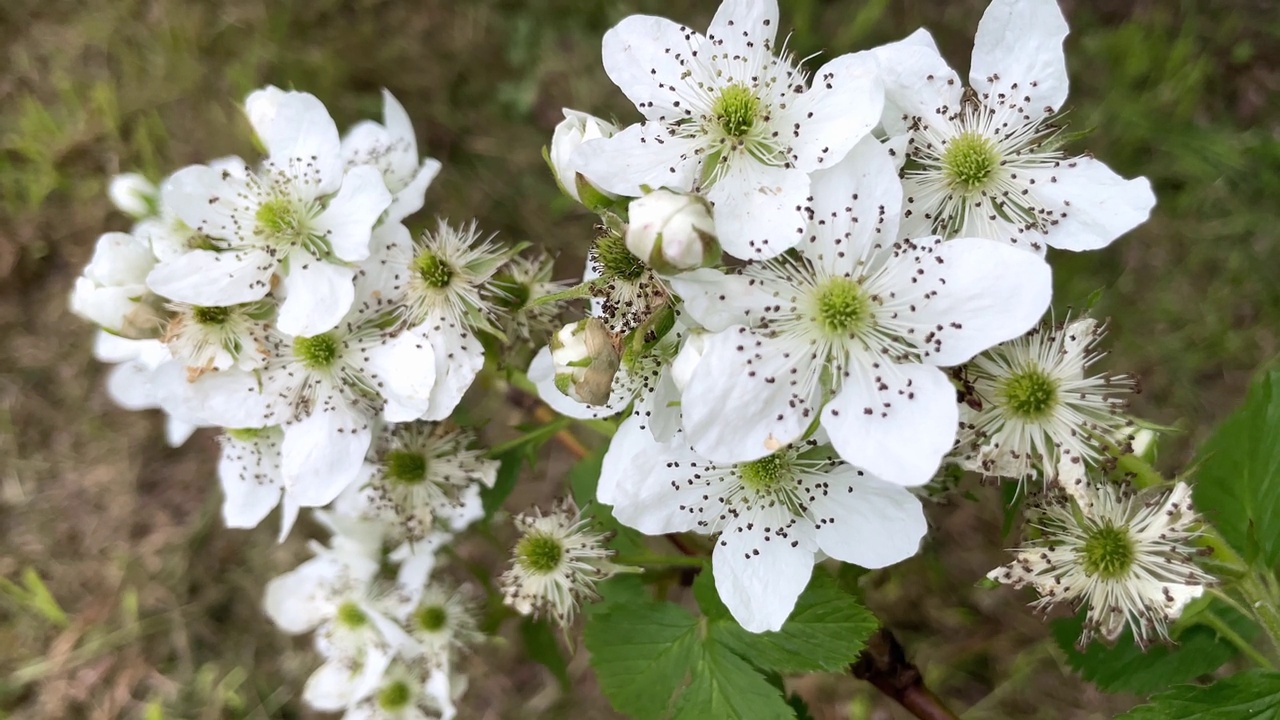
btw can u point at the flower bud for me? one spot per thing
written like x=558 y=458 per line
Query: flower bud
x=575 y=129
x=585 y=360
x=114 y=284
x=133 y=194
x=672 y=232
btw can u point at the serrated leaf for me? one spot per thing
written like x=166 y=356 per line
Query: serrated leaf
x=1238 y=480
x=704 y=591
x=1126 y=668
x=724 y=685
x=641 y=653
x=1254 y=695
x=825 y=633
x=541 y=646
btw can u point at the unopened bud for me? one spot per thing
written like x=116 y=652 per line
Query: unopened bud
x=575 y=129
x=672 y=232
x=114 y=285
x=133 y=194
x=585 y=360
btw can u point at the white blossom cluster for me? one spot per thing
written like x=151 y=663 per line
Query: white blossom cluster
x=286 y=302
x=876 y=316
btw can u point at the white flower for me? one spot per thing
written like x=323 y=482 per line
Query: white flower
x=111 y=290
x=439 y=282
x=727 y=118
x=555 y=564
x=1031 y=404
x=852 y=330
x=443 y=622
x=168 y=236
x=625 y=291
x=218 y=338
x=409 y=691
x=1127 y=557
x=141 y=380
x=773 y=515
x=517 y=286
x=333 y=594
x=133 y=194
x=392 y=148
x=299 y=215
x=987 y=163
x=251 y=478
x=422 y=476
x=575 y=129
x=672 y=231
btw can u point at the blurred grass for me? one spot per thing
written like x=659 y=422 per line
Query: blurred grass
x=161 y=603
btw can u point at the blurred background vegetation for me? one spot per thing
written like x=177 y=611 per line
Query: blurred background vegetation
x=153 y=607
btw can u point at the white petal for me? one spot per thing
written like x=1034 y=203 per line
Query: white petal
x=896 y=424
x=749 y=396
x=376 y=660
x=297 y=601
x=542 y=373
x=177 y=431
x=643 y=55
x=331 y=687
x=622 y=466
x=980 y=293
x=288 y=515
x=299 y=134
x=318 y=295
x=717 y=300
x=108 y=307
x=214 y=279
x=1091 y=204
x=249 y=473
x=404 y=371
x=1018 y=58
x=120 y=259
x=855 y=205
x=229 y=398
x=760 y=574
x=410 y=198
x=660 y=407
x=918 y=83
x=871 y=523
x=840 y=109
x=404 y=140
x=759 y=209
x=744 y=27
x=641 y=154
x=459 y=357
x=129 y=386
x=323 y=453
x=348 y=221
x=206 y=199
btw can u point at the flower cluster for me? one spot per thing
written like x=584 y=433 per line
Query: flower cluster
x=878 y=318
x=287 y=303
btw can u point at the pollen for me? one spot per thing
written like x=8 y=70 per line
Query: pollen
x=1107 y=552
x=394 y=696
x=766 y=473
x=434 y=271
x=405 y=467
x=539 y=554
x=317 y=352
x=736 y=110
x=1029 y=394
x=843 y=306
x=969 y=161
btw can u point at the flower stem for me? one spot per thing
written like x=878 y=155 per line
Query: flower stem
x=1263 y=604
x=1212 y=620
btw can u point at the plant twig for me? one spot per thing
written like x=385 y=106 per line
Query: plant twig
x=884 y=664
x=1224 y=631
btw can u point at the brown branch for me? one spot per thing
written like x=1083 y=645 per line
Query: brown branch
x=884 y=664
x=541 y=413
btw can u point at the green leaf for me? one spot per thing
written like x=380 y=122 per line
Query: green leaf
x=1238 y=480
x=510 y=462
x=1124 y=667
x=541 y=645
x=1254 y=695
x=726 y=686
x=826 y=632
x=641 y=653
x=583 y=478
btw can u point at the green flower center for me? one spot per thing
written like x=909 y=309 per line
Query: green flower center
x=278 y=217
x=969 y=161
x=245 y=434
x=510 y=293
x=210 y=315
x=1030 y=394
x=433 y=271
x=394 y=696
x=351 y=616
x=843 y=306
x=431 y=618
x=539 y=554
x=1108 y=552
x=616 y=261
x=736 y=109
x=407 y=467
x=766 y=473
x=317 y=352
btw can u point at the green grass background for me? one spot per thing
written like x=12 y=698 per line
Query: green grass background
x=162 y=604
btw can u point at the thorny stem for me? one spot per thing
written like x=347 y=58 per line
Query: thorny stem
x=1211 y=620
x=884 y=664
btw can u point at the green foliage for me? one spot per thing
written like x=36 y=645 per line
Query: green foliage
x=33 y=595
x=1238 y=478
x=1254 y=695
x=510 y=462
x=1124 y=667
x=583 y=478
x=541 y=646
x=657 y=660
